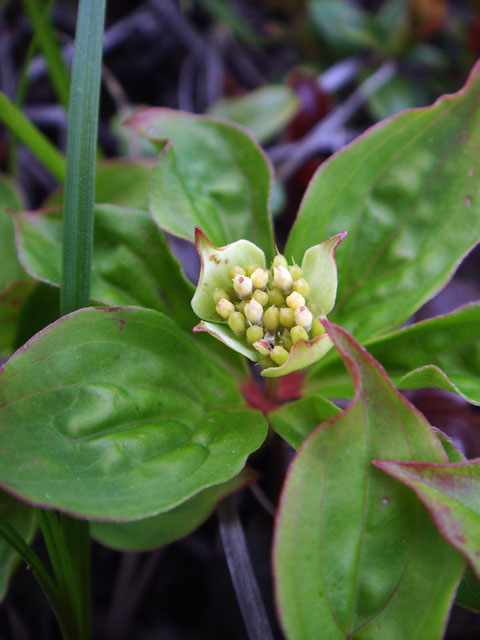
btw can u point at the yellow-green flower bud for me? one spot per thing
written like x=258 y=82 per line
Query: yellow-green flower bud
x=317 y=328
x=253 y=311
x=262 y=347
x=237 y=323
x=286 y=340
x=276 y=298
x=240 y=306
x=243 y=286
x=224 y=308
x=295 y=300
x=280 y=261
x=279 y=355
x=302 y=286
x=236 y=271
x=261 y=296
x=271 y=318
x=304 y=317
x=287 y=317
x=220 y=294
x=296 y=271
x=283 y=279
x=260 y=278
x=254 y=333
x=298 y=333
x=252 y=268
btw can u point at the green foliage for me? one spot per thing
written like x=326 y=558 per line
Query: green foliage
x=265 y=112
x=210 y=174
x=408 y=194
x=452 y=495
x=418 y=356
x=22 y=518
x=352 y=551
x=151 y=533
x=91 y=423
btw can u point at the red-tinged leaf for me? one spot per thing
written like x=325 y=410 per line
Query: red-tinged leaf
x=451 y=492
x=354 y=552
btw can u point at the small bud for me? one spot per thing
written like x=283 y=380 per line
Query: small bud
x=283 y=279
x=280 y=261
x=262 y=347
x=317 y=328
x=220 y=294
x=286 y=340
x=302 y=286
x=243 y=286
x=276 y=298
x=298 y=333
x=240 y=306
x=295 y=300
x=271 y=318
x=279 y=355
x=254 y=333
x=261 y=297
x=236 y=271
x=251 y=269
x=260 y=278
x=224 y=308
x=296 y=271
x=287 y=317
x=237 y=323
x=253 y=311
x=304 y=317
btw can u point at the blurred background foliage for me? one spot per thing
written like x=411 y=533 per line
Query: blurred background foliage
x=305 y=77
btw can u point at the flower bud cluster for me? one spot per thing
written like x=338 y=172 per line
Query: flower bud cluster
x=269 y=308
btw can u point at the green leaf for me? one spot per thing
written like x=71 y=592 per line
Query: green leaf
x=10 y=200
x=354 y=29
x=22 y=518
x=151 y=533
x=115 y=414
x=468 y=593
x=265 y=112
x=417 y=356
x=211 y=174
x=12 y=299
x=451 y=493
x=408 y=194
x=395 y=95
x=132 y=265
x=296 y=420
x=353 y=551
x=118 y=181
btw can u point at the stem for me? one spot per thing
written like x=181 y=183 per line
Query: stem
x=241 y=571
x=64 y=557
x=271 y=388
x=81 y=156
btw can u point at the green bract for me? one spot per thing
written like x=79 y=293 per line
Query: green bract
x=216 y=278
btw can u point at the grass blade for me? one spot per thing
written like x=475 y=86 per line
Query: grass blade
x=45 y=36
x=81 y=156
x=34 y=139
